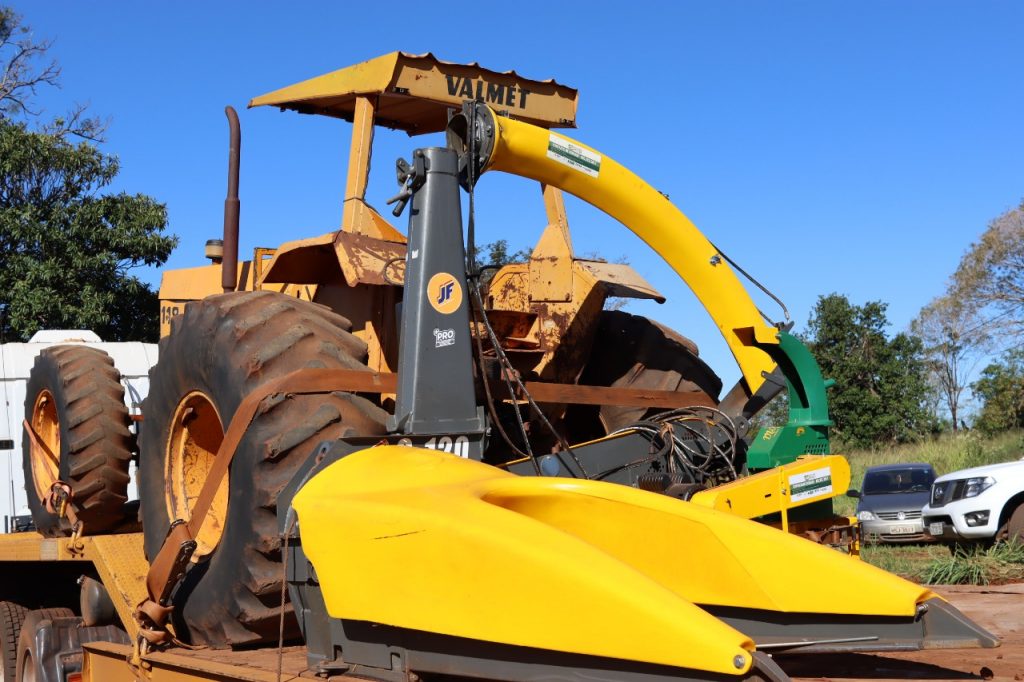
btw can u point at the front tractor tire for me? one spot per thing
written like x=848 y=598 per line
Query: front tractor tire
x=220 y=350
x=74 y=401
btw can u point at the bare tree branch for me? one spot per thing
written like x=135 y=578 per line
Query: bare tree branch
x=955 y=339
x=990 y=277
x=20 y=77
x=76 y=123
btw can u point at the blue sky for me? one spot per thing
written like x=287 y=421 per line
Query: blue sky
x=825 y=146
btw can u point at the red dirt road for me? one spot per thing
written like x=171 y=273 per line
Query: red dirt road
x=1000 y=609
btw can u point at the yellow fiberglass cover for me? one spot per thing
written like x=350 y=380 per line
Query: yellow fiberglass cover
x=428 y=541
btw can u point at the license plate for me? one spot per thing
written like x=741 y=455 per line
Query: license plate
x=935 y=528
x=902 y=530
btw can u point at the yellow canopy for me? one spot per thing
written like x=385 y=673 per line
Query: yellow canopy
x=414 y=93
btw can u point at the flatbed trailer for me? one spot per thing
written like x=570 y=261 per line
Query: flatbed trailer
x=42 y=573
x=106 y=662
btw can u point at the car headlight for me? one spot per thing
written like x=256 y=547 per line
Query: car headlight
x=976 y=486
x=865 y=516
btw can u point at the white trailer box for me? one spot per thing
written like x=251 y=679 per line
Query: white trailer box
x=131 y=358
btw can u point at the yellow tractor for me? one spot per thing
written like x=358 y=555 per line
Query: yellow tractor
x=547 y=311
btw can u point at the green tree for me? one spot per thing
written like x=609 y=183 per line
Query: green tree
x=497 y=253
x=67 y=249
x=1000 y=387
x=881 y=387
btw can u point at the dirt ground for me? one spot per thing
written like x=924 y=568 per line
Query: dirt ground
x=1000 y=609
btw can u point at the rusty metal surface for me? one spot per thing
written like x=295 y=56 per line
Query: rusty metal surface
x=551 y=262
x=626 y=397
x=621 y=280
x=414 y=92
x=229 y=271
x=304 y=261
x=179 y=287
x=368 y=260
x=106 y=662
x=122 y=566
x=34 y=547
x=328 y=258
x=372 y=312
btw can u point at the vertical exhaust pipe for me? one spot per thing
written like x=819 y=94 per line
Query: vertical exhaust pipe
x=229 y=268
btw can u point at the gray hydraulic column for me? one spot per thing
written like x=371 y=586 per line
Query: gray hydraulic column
x=436 y=393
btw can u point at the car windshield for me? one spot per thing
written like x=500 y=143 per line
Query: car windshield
x=897 y=481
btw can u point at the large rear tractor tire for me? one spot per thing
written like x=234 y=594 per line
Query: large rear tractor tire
x=74 y=401
x=221 y=349
x=636 y=352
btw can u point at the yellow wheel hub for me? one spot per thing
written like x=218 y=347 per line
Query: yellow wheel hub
x=196 y=434
x=45 y=460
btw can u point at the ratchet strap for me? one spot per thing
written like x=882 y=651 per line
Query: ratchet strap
x=171 y=562
x=59 y=501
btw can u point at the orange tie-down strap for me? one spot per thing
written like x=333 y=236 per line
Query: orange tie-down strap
x=170 y=563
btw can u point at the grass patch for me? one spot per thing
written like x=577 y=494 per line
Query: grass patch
x=1001 y=563
x=906 y=561
x=947 y=453
x=936 y=565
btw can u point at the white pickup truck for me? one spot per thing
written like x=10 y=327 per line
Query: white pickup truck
x=981 y=505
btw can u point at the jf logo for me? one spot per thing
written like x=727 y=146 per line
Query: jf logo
x=444 y=293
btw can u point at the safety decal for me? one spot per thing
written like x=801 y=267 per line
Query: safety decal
x=810 y=484
x=444 y=293
x=573 y=155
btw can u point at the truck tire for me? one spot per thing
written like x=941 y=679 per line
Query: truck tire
x=74 y=401
x=1015 y=526
x=11 y=617
x=636 y=352
x=26 y=666
x=219 y=350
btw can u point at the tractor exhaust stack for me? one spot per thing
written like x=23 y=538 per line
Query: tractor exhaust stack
x=229 y=269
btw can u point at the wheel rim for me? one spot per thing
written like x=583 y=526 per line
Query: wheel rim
x=45 y=461
x=196 y=435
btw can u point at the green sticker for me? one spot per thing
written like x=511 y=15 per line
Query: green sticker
x=573 y=155
x=810 y=484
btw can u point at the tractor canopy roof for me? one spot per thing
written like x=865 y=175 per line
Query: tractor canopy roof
x=414 y=93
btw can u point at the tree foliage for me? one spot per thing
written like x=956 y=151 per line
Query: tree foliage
x=1000 y=387
x=67 y=248
x=990 y=276
x=880 y=388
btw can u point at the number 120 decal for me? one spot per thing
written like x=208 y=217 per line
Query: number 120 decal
x=458 y=446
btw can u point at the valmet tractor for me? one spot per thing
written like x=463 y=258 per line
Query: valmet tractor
x=445 y=474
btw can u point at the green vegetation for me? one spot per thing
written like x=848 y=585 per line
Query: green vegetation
x=67 y=248
x=881 y=387
x=1001 y=563
x=946 y=453
x=1001 y=389
x=934 y=563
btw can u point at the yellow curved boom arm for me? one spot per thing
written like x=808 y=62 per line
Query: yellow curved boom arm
x=553 y=159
